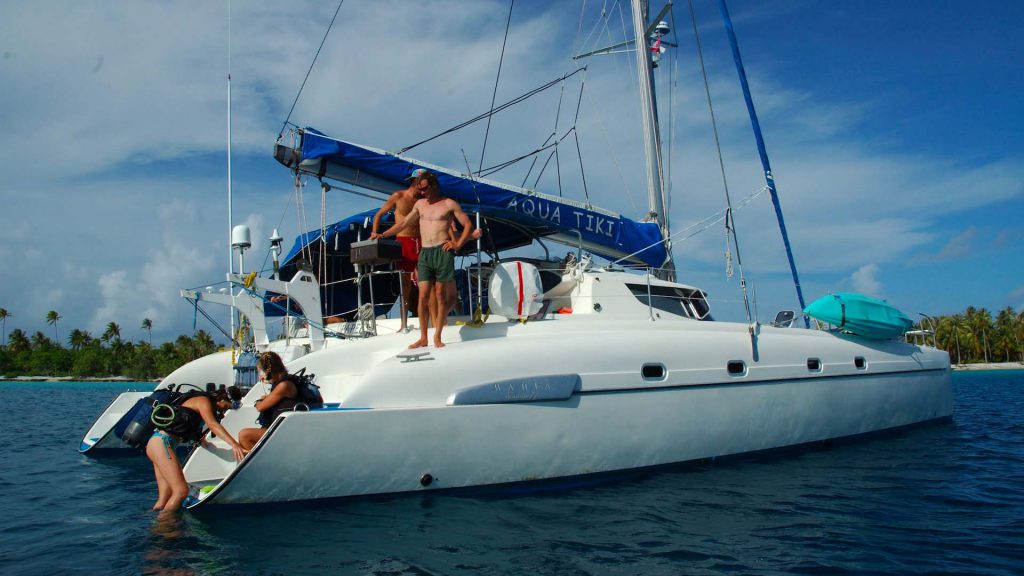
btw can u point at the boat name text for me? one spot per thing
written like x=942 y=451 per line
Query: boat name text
x=588 y=222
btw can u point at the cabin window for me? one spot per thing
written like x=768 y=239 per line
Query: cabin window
x=736 y=368
x=688 y=303
x=653 y=371
x=549 y=279
x=860 y=363
x=814 y=364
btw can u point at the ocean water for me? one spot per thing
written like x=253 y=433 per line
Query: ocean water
x=946 y=498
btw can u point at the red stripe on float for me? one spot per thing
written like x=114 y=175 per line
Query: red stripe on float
x=519 y=265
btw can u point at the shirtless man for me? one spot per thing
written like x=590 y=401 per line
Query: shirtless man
x=434 y=214
x=402 y=202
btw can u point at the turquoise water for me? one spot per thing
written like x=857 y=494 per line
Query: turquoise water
x=938 y=499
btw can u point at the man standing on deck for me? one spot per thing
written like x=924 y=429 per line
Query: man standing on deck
x=402 y=202
x=434 y=214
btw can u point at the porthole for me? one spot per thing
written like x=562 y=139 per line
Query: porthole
x=860 y=363
x=653 y=371
x=736 y=367
x=814 y=364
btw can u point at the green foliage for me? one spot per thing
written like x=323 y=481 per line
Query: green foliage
x=88 y=357
x=89 y=362
x=974 y=336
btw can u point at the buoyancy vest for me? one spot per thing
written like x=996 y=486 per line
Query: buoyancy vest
x=163 y=406
x=183 y=422
x=307 y=397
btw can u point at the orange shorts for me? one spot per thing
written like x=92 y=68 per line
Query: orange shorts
x=410 y=253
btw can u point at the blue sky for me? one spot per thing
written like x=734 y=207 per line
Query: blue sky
x=893 y=129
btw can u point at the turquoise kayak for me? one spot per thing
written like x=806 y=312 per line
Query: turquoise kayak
x=860 y=315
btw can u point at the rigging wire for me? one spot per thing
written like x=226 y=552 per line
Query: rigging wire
x=704 y=224
x=322 y=270
x=673 y=87
x=613 y=155
x=730 y=222
x=602 y=27
x=534 y=163
x=558 y=115
x=501 y=166
x=579 y=28
x=494 y=95
x=494 y=111
x=311 y=64
x=280 y=222
x=576 y=136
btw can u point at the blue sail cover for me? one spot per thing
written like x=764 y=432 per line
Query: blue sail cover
x=514 y=215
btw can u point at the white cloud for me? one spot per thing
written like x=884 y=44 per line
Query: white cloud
x=865 y=280
x=959 y=246
x=114 y=189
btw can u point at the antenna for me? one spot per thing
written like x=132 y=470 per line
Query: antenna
x=240 y=240
x=231 y=266
x=275 y=249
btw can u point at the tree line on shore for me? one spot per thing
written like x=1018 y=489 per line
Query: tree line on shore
x=86 y=356
x=975 y=336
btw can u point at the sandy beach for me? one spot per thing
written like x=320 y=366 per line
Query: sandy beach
x=990 y=366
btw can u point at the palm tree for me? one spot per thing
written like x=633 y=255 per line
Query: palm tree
x=52 y=317
x=204 y=343
x=79 y=339
x=1003 y=334
x=113 y=332
x=4 y=315
x=40 y=341
x=147 y=325
x=958 y=324
x=19 y=341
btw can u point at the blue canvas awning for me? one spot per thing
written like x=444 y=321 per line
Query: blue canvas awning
x=515 y=216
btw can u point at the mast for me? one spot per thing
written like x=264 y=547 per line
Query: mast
x=769 y=178
x=652 y=136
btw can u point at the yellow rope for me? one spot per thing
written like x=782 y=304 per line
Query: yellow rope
x=479 y=319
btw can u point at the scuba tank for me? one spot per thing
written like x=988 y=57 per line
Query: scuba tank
x=137 y=426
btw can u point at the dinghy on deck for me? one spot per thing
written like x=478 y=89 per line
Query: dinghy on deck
x=860 y=315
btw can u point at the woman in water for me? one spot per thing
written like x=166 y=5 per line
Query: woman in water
x=181 y=422
x=283 y=396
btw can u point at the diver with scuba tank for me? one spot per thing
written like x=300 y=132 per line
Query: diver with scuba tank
x=179 y=421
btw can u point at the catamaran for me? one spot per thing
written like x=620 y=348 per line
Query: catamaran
x=555 y=367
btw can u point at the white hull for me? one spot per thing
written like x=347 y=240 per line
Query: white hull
x=387 y=451
x=101 y=434
x=399 y=423
x=100 y=438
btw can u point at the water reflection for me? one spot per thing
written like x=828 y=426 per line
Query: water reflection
x=179 y=545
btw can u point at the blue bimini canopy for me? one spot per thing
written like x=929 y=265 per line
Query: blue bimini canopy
x=515 y=216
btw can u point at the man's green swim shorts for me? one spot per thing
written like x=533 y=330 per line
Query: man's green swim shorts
x=436 y=265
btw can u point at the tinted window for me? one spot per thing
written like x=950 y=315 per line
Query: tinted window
x=686 y=303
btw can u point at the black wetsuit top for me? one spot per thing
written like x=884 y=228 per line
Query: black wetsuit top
x=187 y=423
x=284 y=405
